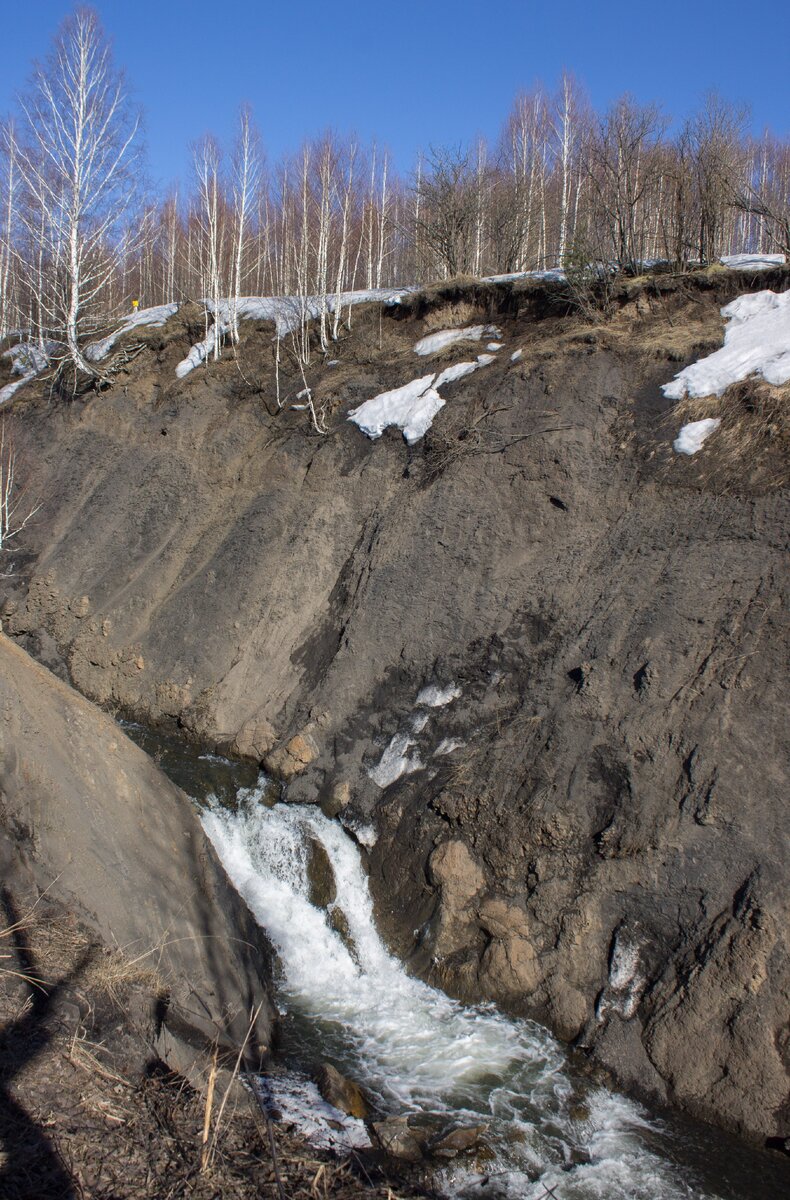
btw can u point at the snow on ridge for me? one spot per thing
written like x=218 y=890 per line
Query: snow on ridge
x=155 y=316
x=752 y=262
x=28 y=360
x=756 y=342
x=692 y=436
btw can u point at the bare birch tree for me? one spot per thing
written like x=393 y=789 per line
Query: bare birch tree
x=77 y=159
x=14 y=513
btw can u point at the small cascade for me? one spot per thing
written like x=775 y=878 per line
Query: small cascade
x=414 y=1047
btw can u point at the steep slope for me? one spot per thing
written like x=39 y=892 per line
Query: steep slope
x=88 y=818
x=593 y=830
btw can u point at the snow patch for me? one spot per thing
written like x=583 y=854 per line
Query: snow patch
x=756 y=342
x=456 y=371
x=435 y=342
x=517 y=355
x=411 y=407
x=437 y=697
x=448 y=746
x=298 y=1102
x=419 y=721
x=395 y=761
x=28 y=360
x=752 y=262
x=692 y=436
x=155 y=316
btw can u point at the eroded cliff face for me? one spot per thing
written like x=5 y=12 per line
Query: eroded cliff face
x=88 y=819
x=593 y=830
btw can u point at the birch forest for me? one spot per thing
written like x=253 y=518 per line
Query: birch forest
x=82 y=235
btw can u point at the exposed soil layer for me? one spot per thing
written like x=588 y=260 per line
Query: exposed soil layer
x=604 y=843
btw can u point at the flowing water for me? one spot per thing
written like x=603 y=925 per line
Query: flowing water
x=346 y=999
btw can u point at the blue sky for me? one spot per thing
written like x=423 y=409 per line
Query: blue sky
x=411 y=74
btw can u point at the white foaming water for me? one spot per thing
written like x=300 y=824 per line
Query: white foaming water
x=417 y=1048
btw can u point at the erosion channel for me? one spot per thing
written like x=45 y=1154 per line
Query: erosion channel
x=550 y=1123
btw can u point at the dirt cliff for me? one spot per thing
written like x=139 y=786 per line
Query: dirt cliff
x=87 y=818
x=593 y=830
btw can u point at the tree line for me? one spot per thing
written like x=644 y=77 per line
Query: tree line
x=81 y=236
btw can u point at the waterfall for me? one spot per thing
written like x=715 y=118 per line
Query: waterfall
x=414 y=1047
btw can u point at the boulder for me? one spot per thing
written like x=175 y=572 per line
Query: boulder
x=460 y=879
x=339 y=796
x=292 y=758
x=396 y=1139
x=342 y=1092
x=255 y=739
x=320 y=876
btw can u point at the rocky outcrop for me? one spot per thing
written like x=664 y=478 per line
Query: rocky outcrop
x=88 y=817
x=589 y=824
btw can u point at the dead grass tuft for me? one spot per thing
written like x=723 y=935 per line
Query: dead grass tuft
x=752 y=444
x=451 y=316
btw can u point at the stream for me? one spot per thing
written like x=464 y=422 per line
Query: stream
x=345 y=999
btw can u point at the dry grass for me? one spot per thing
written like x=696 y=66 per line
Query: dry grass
x=752 y=444
x=451 y=316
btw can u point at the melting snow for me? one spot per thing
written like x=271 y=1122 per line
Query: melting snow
x=419 y=721
x=299 y=1102
x=28 y=360
x=395 y=761
x=448 y=746
x=457 y=371
x=146 y=316
x=494 y=346
x=437 y=697
x=287 y=313
x=516 y=355
x=753 y=262
x=756 y=342
x=435 y=342
x=411 y=407
x=691 y=437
